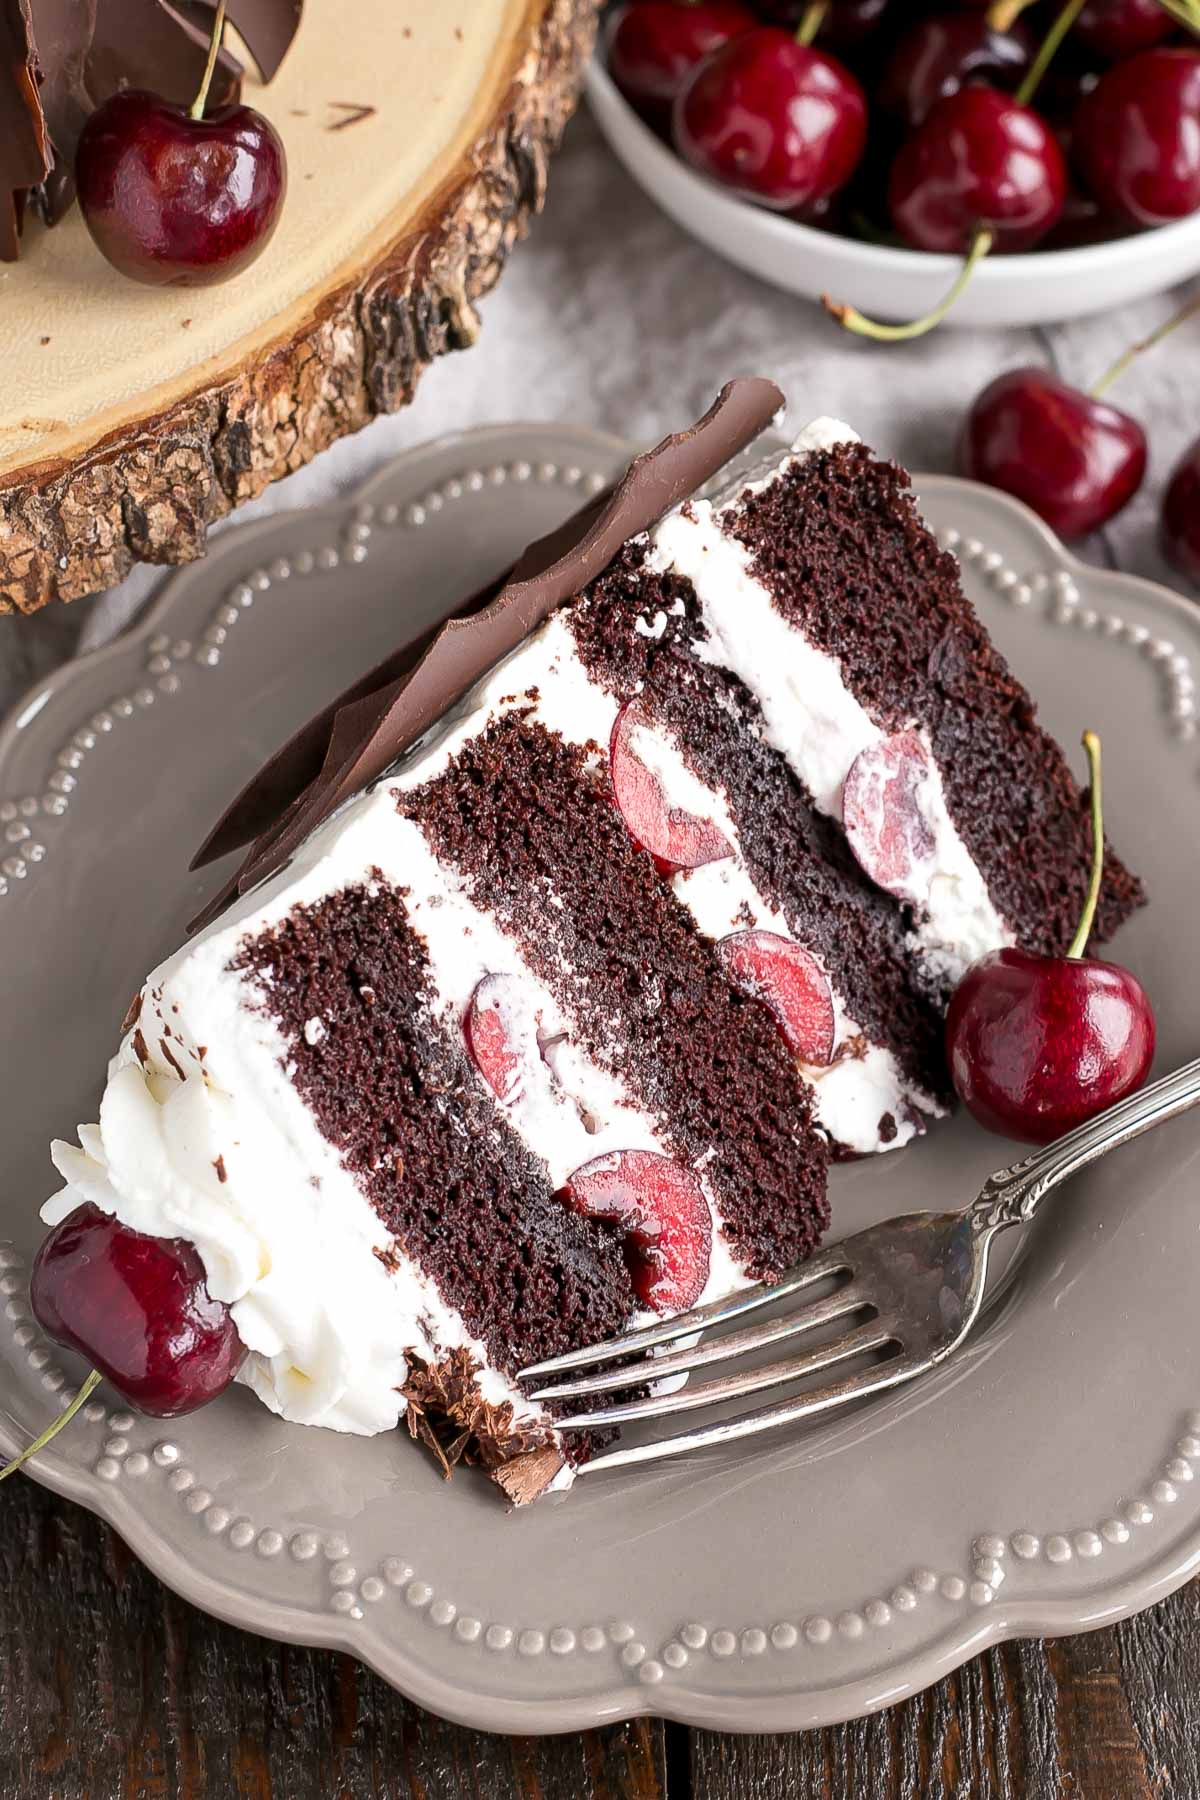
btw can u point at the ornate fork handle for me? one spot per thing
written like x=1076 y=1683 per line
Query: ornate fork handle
x=1011 y=1196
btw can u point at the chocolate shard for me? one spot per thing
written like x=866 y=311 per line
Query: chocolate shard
x=25 y=156
x=366 y=729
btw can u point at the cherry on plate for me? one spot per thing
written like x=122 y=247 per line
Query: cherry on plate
x=788 y=980
x=661 y=1208
x=1038 y=1044
x=674 y=837
x=174 y=200
x=776 y=120
x=1074 y=459
x=1181 y=515
x=978 y=159
x=137 y=1308
x=1136 y=137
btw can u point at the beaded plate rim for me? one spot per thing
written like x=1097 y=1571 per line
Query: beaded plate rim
x=645 y=1678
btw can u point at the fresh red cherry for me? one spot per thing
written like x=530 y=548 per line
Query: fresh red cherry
x=941 y=54
x=777 y=120
x=172 y=200
x=1181 y=515
x=1116 y=28
x=676 y=839
x=1074 y=459
x=1137 y=137
x=137 y=1309
x=977 y=160
x=655 y=45
x=661 y=1208
x=788 y=980
x=1037 y=1044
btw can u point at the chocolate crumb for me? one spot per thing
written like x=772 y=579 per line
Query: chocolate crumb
x=219 y=1166
x=139 y=1047
x=133 y=1013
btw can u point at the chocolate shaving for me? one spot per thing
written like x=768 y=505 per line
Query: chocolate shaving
x=25 y=155
x=527 y=1477
x=446 y=1412
x=354 y=115
x=363 y=732
x=133 y=1014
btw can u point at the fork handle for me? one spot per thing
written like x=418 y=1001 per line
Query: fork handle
x=1011 y=1196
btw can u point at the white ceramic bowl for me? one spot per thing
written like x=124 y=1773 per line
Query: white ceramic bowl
x=892 y=284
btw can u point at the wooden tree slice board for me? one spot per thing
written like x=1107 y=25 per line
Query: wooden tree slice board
x=418 y=136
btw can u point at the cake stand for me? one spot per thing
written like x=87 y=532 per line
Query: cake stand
x=418 y=139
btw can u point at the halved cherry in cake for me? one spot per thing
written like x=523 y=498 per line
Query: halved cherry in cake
x=886 y=826
x=501 y=1029
x=785 y=977
x=660 y=1205
x=675 y=838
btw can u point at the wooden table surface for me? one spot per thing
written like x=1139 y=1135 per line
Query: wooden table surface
x=110 y=1686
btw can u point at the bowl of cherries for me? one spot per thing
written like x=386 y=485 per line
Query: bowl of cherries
x=1007 y=163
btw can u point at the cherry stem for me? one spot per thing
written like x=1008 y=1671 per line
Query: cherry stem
x=1147 y=343
x=1083 y=932
x=1186 y=12
x=853 y=320
x=811 y=21
x=1045 y=55
x=196 y=110
x=56 y=1425
x=1002 y=15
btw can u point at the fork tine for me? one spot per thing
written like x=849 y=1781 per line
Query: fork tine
x=713 y=1350
x=731 y=1387
x=764 y=1418
x=832 y=1261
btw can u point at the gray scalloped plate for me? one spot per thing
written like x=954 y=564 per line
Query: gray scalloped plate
x=1043 y=1483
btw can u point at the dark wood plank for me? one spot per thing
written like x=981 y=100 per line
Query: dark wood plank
x=113 y=1689
x=1113 y=1715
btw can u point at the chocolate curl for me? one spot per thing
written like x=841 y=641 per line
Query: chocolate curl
x=362 y=733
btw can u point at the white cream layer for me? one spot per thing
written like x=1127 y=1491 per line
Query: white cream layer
x=810 y=715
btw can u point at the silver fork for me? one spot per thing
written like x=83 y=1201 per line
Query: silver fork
x=910 y=1291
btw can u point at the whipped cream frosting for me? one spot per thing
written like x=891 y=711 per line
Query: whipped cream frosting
x=810 y=715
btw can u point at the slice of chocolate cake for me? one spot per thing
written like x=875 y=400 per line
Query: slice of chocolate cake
x=669 y=853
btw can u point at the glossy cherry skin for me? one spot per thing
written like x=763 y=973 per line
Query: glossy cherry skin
x=172 y=200
x=942 y=53
x=137 y=1309
x=655 y=44
x=1076 y=460
x=1116 y=28
x=977 y=158
x=780 y=122
x=1181 y=515
x=1037 y=1044
x=1136 y=137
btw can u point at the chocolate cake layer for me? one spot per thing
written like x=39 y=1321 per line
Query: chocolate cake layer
x=797 y=857
x=531 y=823
x=838 y=542
x=459 y=1192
